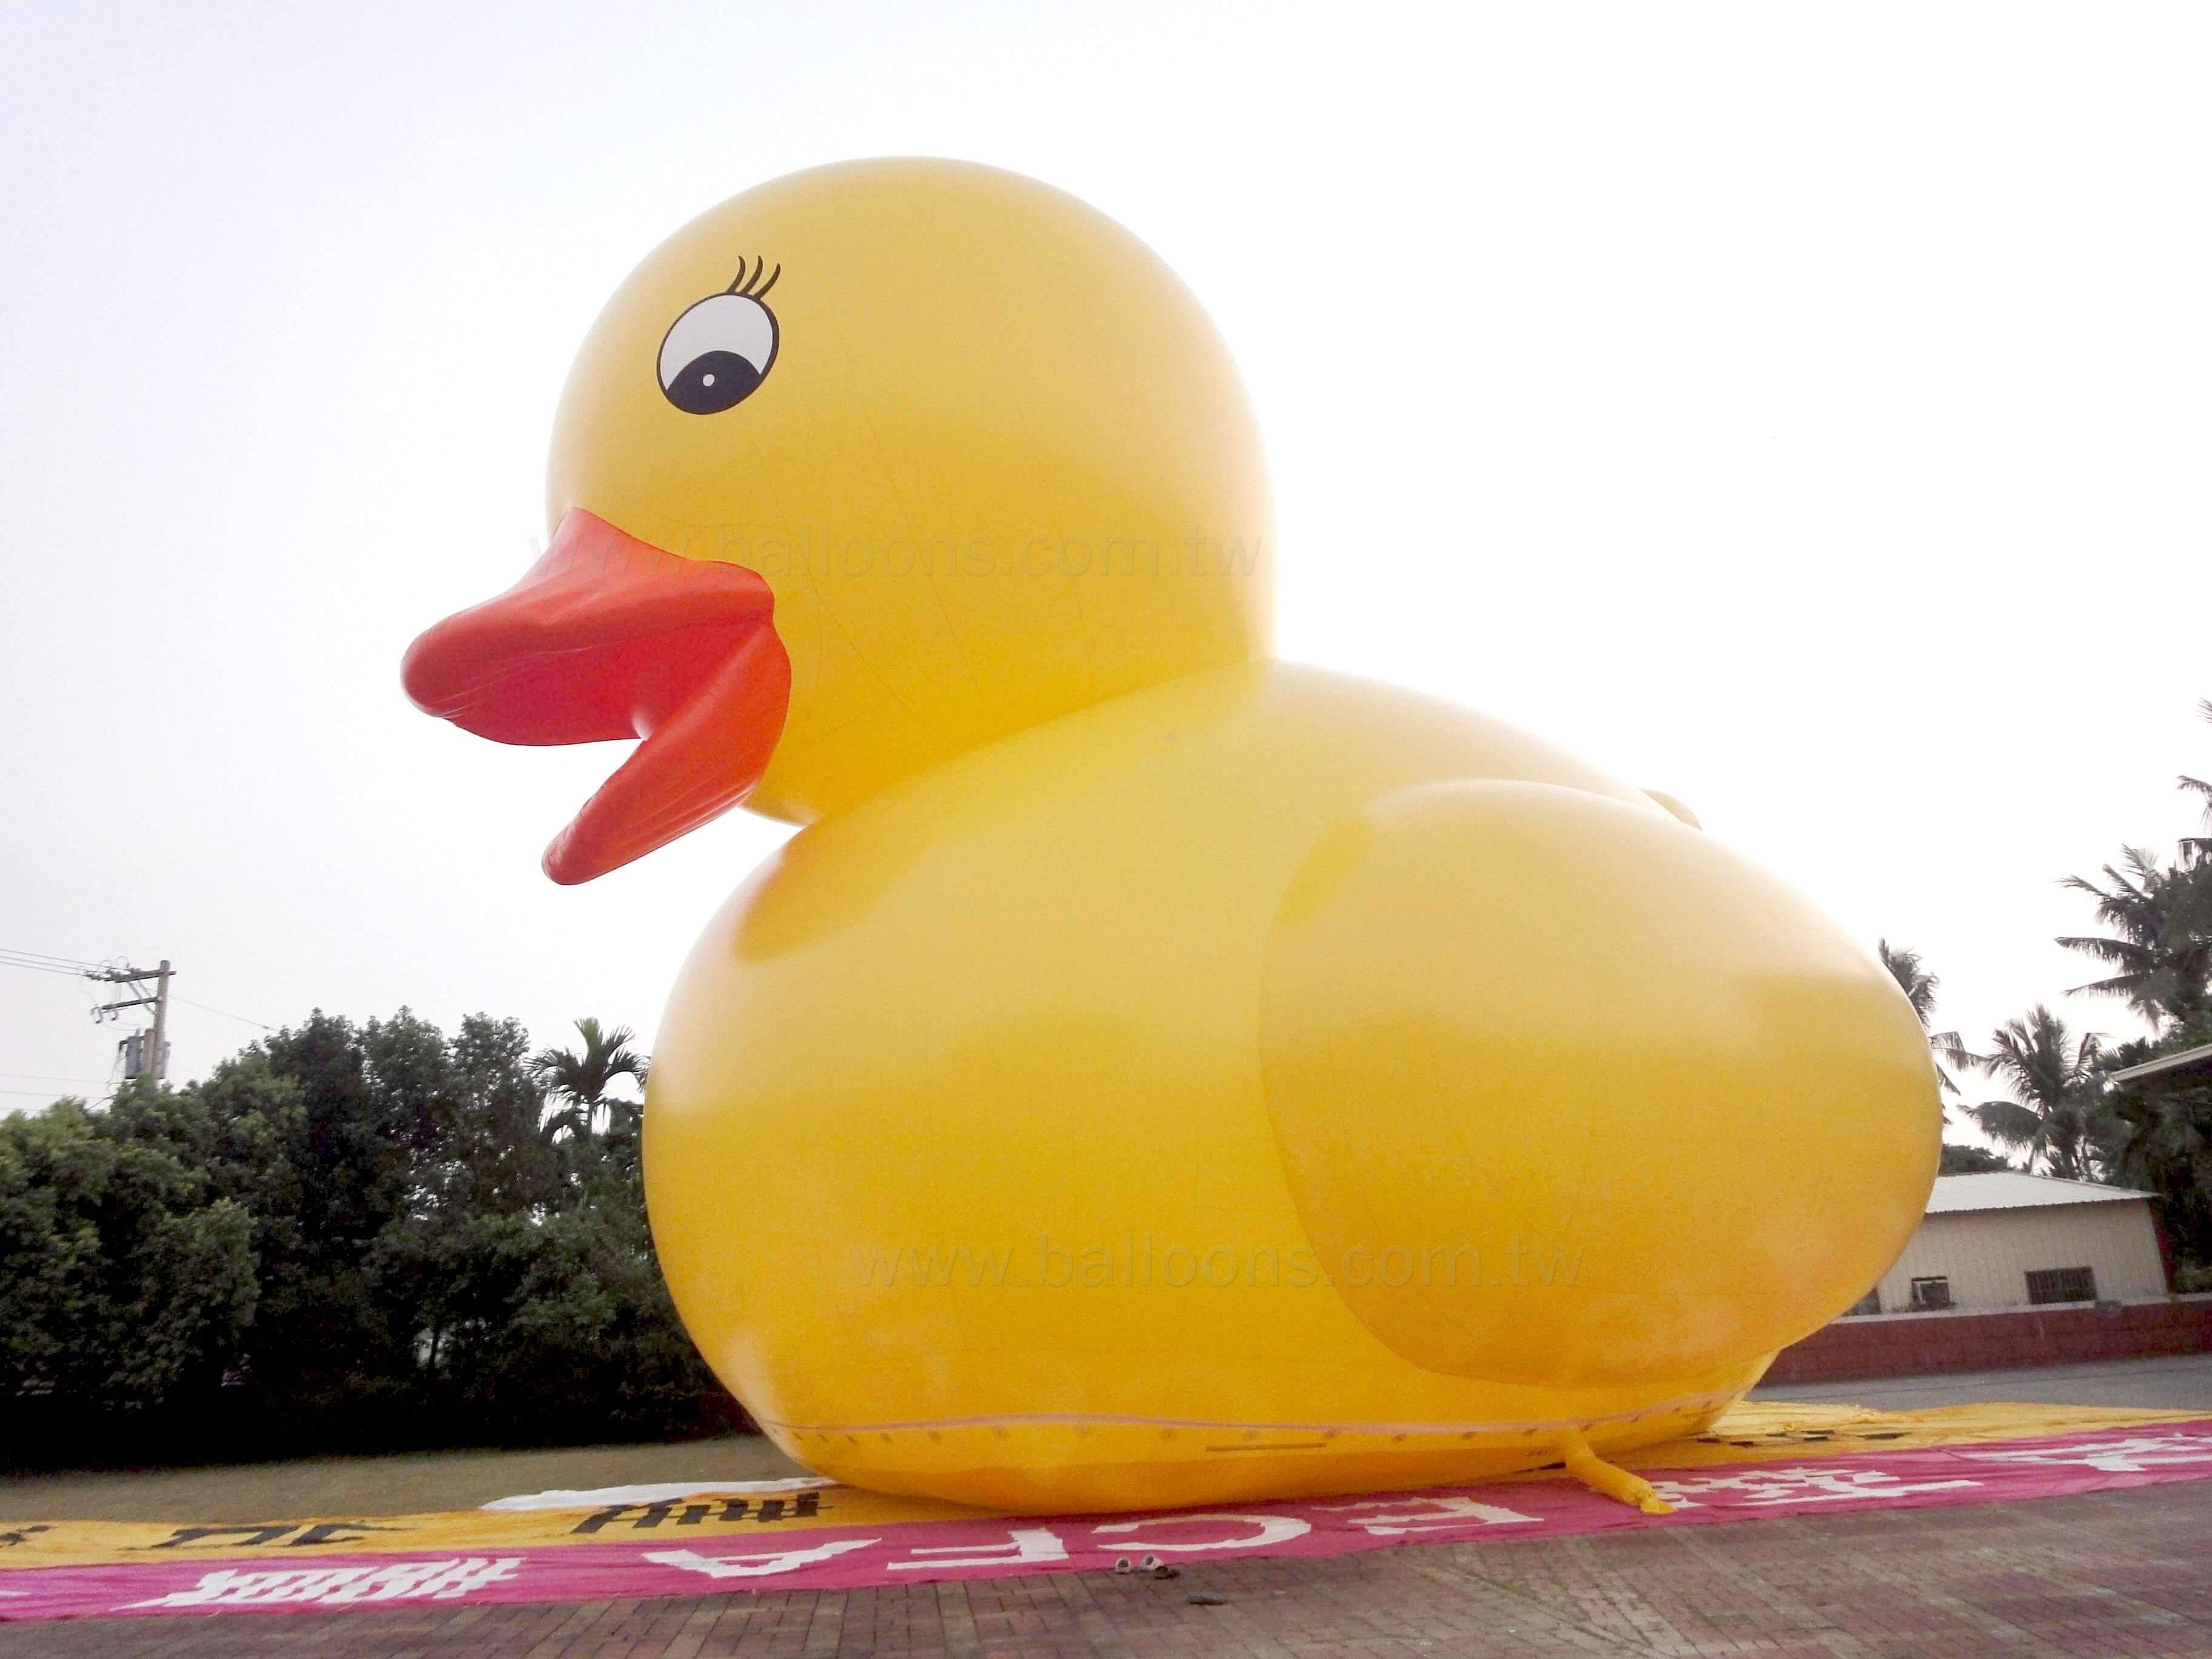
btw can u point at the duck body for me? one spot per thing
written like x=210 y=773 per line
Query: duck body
x=1023 y=1136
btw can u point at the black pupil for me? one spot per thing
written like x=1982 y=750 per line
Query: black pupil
x=712 y=382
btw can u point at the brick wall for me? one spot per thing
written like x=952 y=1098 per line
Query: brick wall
x=1904 y=1344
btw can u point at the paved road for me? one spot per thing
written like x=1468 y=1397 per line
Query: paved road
x=2181 y=1383
x=2119 y=1572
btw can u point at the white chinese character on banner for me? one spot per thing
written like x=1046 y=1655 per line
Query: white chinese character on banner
x=1402 y=1516
x=1756 y=1487
x=1024 y=1544
x=2130 y=1455
x=405 y=1581
x=758 y=1563
x=1267 y=1530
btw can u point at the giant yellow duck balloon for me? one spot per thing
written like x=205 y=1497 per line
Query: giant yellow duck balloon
x=1154 y=1074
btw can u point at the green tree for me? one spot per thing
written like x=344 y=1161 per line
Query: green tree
x=1961 y=1160
x=2159 y=944
x=129 y=1282
x=2060 y=1119
x=2167 y=1123
x=2201 y=846
x=364 y=1227
x=357 y=1118
x=1948 y=1050
x=2158 y=923
x=488 y=1157
x=580 y=1085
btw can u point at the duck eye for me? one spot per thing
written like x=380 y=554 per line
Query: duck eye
x=717 y=353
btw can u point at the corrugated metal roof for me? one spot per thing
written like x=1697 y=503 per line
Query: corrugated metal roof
x=2015 y=1191
x=2189 y=1059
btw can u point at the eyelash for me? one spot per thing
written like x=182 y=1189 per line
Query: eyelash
x=744 y=285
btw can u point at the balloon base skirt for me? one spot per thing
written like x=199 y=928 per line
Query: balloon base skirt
x=1045 y=1465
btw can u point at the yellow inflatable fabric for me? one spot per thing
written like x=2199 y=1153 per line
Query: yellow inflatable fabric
x=1154 y=1075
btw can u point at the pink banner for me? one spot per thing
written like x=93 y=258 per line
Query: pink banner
x=654 y=1556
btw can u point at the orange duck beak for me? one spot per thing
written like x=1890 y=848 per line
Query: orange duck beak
x=608 y=637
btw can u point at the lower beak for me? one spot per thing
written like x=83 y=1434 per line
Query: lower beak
x=607 y=637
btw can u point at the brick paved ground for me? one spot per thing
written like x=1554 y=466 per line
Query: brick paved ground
x=2112 y=1573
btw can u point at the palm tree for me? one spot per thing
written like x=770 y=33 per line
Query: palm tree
x=2200 y=845
x=1920 y=986
x=2060 y=1117
x=2162 y=918
x=579 y=1084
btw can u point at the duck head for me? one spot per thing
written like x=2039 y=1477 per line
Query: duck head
x=863 y=468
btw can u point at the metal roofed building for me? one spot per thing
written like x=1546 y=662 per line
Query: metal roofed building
x=2189 y=1063
x=1992 y=1242
x=2012 y=1269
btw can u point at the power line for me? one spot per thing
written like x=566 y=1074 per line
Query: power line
x=227 y=1014
x=44 y=964
x=71 y=962
x=9 y=960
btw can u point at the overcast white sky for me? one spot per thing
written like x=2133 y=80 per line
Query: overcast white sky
x=1803 y=410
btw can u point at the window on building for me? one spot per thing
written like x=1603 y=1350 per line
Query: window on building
x=2062 y=1284
x=1928 y=1293
x=1868 y=1303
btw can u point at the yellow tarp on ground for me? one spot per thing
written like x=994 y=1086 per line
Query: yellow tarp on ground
x=1753 y=1431
x=1757 y=1429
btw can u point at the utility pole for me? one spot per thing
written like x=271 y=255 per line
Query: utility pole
x=155 y=1058
x=160 y=1065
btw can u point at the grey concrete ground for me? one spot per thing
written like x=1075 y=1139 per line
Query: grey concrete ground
x=2178 y=1382
x=2118 y=1575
